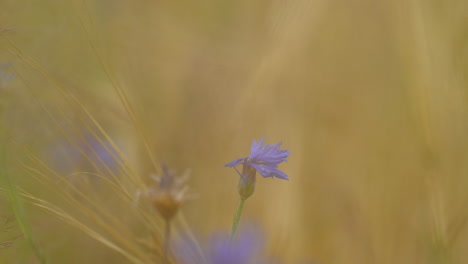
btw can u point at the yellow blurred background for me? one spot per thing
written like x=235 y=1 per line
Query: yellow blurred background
x=370 y=97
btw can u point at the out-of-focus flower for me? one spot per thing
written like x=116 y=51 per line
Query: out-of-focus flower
x=170 y=194
x=244 y=249
x=262 y=158
x=84 y=153
x=5 y=76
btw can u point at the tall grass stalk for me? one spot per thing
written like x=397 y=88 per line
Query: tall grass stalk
x=16 y=203
x=110 y=224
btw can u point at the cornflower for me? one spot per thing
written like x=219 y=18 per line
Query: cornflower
x=167 y=199
x=221 y=249
x=86 y=153
x=5 y=76
x=243 y=250
x=264 y=159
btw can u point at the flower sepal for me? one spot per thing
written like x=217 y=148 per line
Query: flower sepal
x=247 y=182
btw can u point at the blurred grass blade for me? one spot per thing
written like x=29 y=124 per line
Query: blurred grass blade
x=16 y=205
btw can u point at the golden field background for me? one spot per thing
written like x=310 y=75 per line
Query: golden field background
x=370 y=97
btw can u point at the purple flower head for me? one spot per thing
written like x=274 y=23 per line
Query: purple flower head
x=86 y=153
x=6 y=76
x=264 y=159
x=244 y=249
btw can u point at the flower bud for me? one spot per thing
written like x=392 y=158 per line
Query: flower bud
x=169 y=195
x=166 y=204
x=247 y=182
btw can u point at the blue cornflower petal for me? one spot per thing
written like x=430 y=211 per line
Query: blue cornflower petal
x=256 y=147
x=264 y=158
x=268 y=153
x=269 y=171
x=235 y=162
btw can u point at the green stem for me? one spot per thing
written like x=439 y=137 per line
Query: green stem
x=15 y=202
x=237 y=217
x=167 y=239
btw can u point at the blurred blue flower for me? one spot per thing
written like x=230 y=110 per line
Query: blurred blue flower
x=5 y=76
x=244 y=249
x=86 y=153
x=264 y=159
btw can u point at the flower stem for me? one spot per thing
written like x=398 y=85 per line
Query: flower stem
x=167 y=238
x=237 y=217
